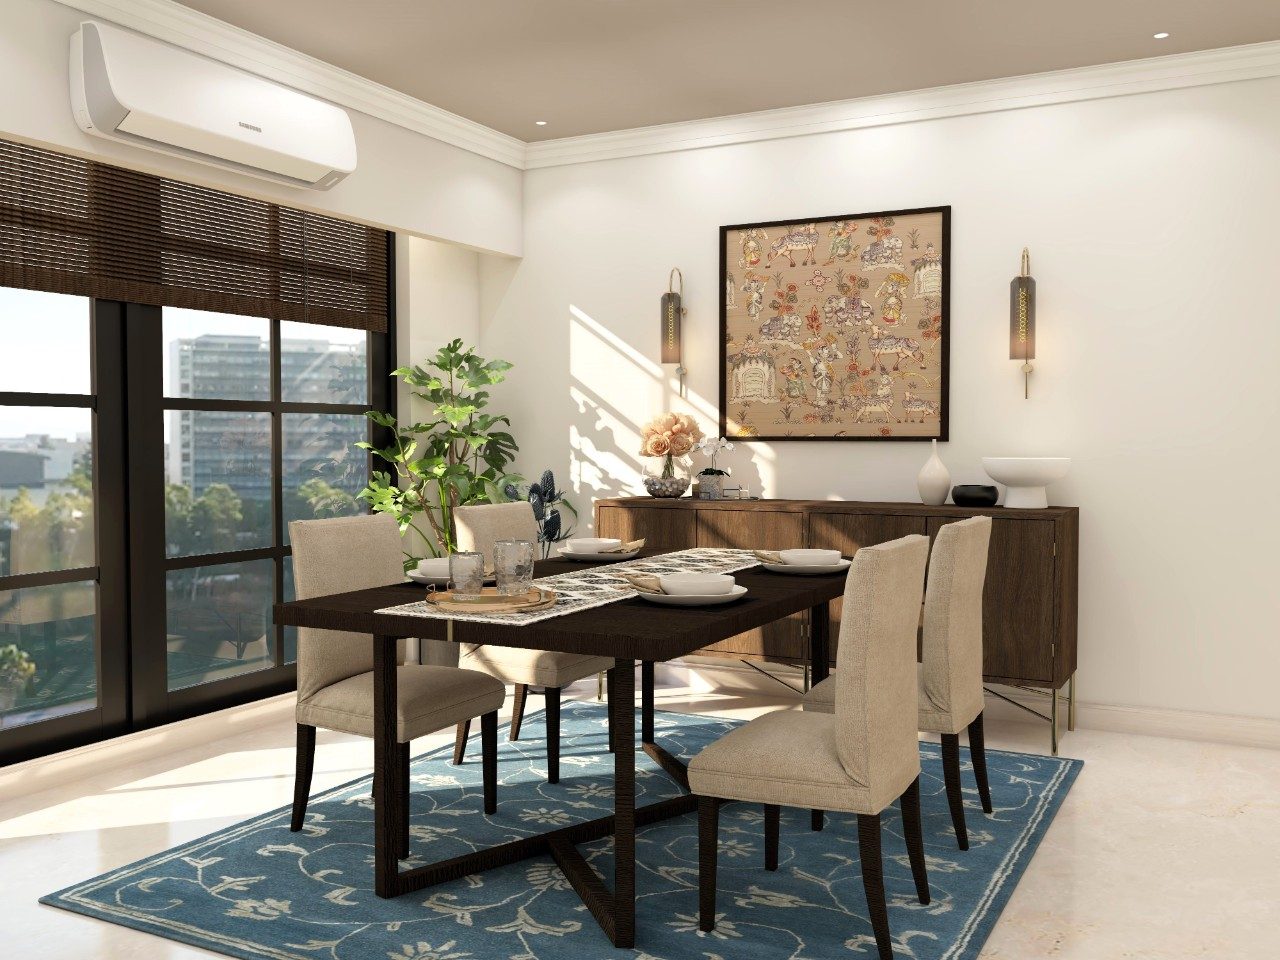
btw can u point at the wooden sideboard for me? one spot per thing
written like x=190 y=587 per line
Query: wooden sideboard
x=1029 y=606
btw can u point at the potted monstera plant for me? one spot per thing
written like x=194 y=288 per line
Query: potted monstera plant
x=16 y=671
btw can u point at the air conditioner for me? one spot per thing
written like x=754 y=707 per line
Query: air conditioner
x=138 y=90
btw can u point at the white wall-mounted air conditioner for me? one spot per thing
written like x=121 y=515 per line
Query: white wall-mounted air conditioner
x=141 y=91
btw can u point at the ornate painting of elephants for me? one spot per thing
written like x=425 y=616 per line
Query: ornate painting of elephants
x=836 y=328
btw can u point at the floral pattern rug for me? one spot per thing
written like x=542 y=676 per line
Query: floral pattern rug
x=255 y=890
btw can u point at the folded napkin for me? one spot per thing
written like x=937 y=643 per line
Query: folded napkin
x=630 y=547
x=643 y=582
x=768 y=556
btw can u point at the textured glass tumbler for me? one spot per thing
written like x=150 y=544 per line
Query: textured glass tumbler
x=466 y=574
x=513 y=566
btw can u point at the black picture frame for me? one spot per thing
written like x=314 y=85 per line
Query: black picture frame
x=945 y=329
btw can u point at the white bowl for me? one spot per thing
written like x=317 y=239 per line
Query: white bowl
x=1026 y=478
x=696 y=584
x=810 y=558
x=434 y=567
x=591 y=544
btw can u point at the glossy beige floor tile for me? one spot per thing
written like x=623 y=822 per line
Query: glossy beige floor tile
x=1164 y=849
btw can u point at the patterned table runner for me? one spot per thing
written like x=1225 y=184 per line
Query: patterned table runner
x=594 y=587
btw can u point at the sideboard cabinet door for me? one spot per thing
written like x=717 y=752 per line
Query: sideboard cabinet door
x=1017 y=602
x=847 y=532
x=782 y=640
x=662 y=528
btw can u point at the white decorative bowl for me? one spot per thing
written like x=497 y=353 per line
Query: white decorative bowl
x=1026 y=478
x=810 y=558
x=434 y=567
x=696 y=584
x=592 y=544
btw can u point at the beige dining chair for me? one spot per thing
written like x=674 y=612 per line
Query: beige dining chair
x=335 y=668
x=858 y=759
x=478 y=528
x=950 y=677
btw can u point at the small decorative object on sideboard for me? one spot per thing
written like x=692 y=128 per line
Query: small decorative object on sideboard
x=1025 y=478
x=934 y=480
x=974 y=495
x=711 y=479
x=668 y=436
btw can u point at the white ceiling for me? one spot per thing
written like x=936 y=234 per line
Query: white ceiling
x=588 y=66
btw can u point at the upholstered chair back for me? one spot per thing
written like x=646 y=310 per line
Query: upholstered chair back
x=953 y=621
x=480 y=526
x=335 y=556
x=876 y=667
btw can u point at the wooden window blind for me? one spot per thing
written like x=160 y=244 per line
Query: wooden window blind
x=77 y=226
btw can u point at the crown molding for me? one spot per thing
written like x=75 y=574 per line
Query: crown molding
x=1202 y=68
x=221 y=41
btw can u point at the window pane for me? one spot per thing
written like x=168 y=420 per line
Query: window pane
x=46 y=489
x=51 y=630
x=216 y=355
x=323 y=470
x=219 y=621
x=218 y=495
x=323 y=364
x=46 y=342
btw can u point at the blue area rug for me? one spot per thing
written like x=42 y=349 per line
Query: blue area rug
x=255 y=890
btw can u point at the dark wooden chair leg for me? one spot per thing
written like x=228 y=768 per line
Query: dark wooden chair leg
x=910 y=803
x=460 y=742
x=489 y=760
x=873 y=881
x=978 y=753
x=951 y=777
x=517 y=711
x=305 y=759
x=816 y=820
x=553 y=734
x=772 y=812
x=608 y=683
x=402 y=781
x=708 y=843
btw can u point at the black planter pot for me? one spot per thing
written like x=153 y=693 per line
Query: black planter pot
x=974 y=495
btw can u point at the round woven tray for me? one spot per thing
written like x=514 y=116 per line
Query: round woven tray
x=490 y=601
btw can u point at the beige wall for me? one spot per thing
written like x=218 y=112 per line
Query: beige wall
x=1151 y=221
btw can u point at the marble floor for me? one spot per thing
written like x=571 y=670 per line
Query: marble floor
x=1164 y=850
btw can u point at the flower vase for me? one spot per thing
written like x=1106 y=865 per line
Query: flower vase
x=667 y=486
x=934 y=480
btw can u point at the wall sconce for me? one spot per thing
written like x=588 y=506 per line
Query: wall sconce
x=672 y=320
x=1022 y=321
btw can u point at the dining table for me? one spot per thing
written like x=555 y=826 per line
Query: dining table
x=629 y=631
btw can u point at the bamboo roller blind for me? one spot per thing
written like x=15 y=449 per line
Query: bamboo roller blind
x=76 y=226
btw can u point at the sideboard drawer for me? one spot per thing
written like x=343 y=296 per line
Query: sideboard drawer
x=661 y=529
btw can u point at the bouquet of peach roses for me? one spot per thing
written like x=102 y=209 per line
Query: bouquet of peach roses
x=669 y=435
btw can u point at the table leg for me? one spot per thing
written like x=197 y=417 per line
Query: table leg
x=623 y=708
x=819 y=641
x=646 y=701
x=389 y=801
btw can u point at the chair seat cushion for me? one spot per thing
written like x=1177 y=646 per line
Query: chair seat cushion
x=539 y=668
x=429 y=699
x=821 y=698
x=787 y=758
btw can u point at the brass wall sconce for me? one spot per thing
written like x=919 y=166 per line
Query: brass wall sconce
x=1022 y=321
x=672 y=321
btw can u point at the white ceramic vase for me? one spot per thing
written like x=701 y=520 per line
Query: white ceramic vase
x=934 y=480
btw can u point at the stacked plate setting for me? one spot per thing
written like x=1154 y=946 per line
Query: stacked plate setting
x=594 y=549
x=695 y=590
x=808 y=562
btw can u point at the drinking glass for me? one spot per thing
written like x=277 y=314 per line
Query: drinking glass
x=513 y=566
x=466 y=574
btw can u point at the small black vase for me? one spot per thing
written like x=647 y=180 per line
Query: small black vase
x=974 y=495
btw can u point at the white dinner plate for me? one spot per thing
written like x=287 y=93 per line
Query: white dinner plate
x=807 y=569
x=595 y=557
x=427 y=581
x=688 y=600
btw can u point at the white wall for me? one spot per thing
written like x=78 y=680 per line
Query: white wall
x=405 y=181
x=1151 y=221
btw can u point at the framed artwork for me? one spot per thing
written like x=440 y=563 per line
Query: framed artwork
x=836 y=328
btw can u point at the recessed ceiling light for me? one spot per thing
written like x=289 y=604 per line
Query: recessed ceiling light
x=1160 y=36
x=543 y=123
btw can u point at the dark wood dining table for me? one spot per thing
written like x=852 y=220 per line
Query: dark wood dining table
x=628 y=631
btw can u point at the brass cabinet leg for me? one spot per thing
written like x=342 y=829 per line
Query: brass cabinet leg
x=1053 y=722
x=1071 y=703
x=600 y=685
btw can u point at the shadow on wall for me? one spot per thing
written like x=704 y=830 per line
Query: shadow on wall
x=604 y=438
